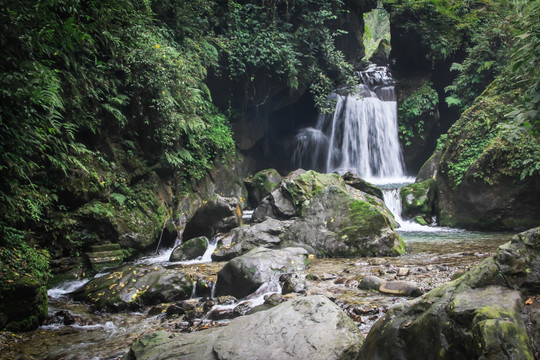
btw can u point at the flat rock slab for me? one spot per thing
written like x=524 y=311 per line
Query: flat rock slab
x=310 y=327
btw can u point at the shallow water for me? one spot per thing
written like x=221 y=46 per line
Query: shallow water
x=433 y=258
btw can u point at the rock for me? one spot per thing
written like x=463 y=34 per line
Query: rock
x=190 y=250
x=245 y=238
x=293 y=283
x=327 y=229
x=380 y=56
x=23 y=305
x=477 y=316
x=104 y=256
x=486 y=177
x=218 y=215
x=418 y=200
x=132 y=286
x=403 y=272
x=356 y=182
x=430 y=168
x=400 y=288
x=261 y=185
x=371 y=282
x=245 y=274
x=322 y=214
x=303 y=328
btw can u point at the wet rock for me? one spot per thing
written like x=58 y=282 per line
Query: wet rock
x=322 y=214
x=190 y=249
x=245 y=238
x=371 y=282
x=132 y=286
x=403 y=272
x=327 y=229
x=218 y=215
x=400 y=288
x=244 y=274
x=478 y=316
x=307 y=327
x=175 y=310
x=293 y=283
x=358 y=183
x=418 y=201
x=261 y=185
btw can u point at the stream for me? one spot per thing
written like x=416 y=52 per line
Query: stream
x=434 y=256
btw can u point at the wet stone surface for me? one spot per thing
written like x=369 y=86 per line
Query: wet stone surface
x=74 y=331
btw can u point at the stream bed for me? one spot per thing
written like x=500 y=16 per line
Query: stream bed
x=434 y=257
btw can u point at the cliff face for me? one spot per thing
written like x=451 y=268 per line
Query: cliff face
x=485 y=173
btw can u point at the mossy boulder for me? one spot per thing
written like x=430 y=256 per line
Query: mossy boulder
x=218 y=215
x=132 y=286
x=336 y=223
x=23 y=303
x=488 y=176
x=24 y=273
x=261 y=185
x=324 y=215
x=419 y=200
x=481 y=315
x=190 y=250
x=380 y=55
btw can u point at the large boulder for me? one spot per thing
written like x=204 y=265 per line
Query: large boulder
x=304 y=328
x=132 y=286
x=218 y=215
x=244 y=274
x=482 y=315
x=338 y=223
x=324 y=215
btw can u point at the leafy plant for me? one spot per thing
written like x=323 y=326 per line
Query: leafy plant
x=414 y=110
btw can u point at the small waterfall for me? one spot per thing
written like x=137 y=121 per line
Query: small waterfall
x=392 y=199
x=361 y=136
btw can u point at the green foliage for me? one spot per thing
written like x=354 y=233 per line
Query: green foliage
x=525 y=65
x=443 y=27
x=18 y=260
x=420 y=105
x=77 y=78
x=485 y=60
x=377 y=27
x=285 y=42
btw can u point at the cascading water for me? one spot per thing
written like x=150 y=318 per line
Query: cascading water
x=361 y=136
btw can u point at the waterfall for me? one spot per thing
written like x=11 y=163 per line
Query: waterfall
x=362 y=134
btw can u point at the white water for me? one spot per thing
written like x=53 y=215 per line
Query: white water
x=164 y=255
x=361 y=136
x=66 y=288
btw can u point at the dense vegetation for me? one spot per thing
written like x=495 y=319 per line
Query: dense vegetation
x=105 y=104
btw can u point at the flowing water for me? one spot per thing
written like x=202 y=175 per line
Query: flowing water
x=362 y=134
x=360 y=137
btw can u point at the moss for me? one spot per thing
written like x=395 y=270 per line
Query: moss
x=418 y=199
x=500 y=330
x=305 y=186
x=266 y=180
